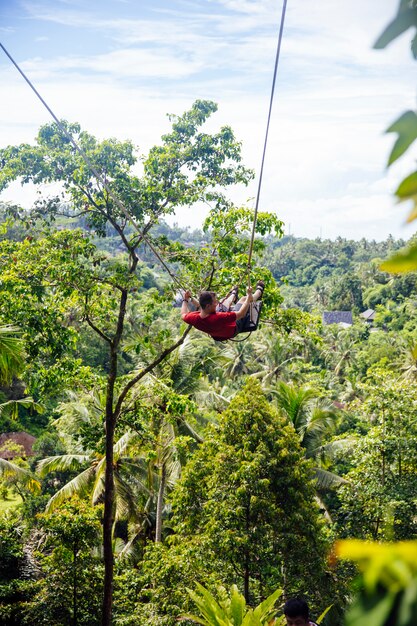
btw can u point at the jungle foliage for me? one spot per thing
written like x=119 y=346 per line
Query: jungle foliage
x=163 y=460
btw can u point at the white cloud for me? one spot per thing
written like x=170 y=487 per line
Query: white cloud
x=335 y=96
x=120 y=64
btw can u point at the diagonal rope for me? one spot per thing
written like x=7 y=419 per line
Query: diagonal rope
x=93 y=169
x=255 y=217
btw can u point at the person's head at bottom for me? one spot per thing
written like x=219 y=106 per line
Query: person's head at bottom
x=296 y=612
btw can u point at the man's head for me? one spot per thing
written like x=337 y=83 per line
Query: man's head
x=296 y=612
x=208 y=301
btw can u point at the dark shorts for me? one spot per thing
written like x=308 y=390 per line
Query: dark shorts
x=240 y=324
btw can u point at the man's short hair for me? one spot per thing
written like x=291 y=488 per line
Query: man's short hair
x=206 y=297
x=296 y=607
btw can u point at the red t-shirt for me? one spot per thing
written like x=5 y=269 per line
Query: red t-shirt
x=218 y=325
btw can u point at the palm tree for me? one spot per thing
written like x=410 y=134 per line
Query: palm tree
x=409 y=362
x=128 y=474
x=273 y=355
x=143 y=471
x=166 y=424
x=196 y=356
x=239 y=358
x=341 y=350
x=197 y=369
x=314 y=420
x=11 y=407
x=12 y=354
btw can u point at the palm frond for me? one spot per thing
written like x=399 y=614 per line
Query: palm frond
x=173 y=473
x=320 y=423
x=79 y=485
x=293 y=402
x=12 y=353
x=125 y=499
x=12 y=406
x=10 y=469
x=123 y=443
x=184 y=428
x=328 y=480
x=62 y=463
x=139 y=483
x=333 y=448
x=98 y=486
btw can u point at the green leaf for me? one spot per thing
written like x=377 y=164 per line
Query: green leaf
x=407 y=190
x=406 y=127
x=262 y=611
x=231 y=612
x=77 y=486
x=323 y=615
x=413 y=214
x=403 y=261
x=405 y=18
x=362 y=615
x=407 y=608
x=237 y=606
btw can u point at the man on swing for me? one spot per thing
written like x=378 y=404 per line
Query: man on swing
x=218 y=319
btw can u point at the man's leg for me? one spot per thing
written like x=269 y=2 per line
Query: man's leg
x=242 y=324
x=260 y=286
x=230 y=299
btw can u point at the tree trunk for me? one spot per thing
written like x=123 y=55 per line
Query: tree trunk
x=108 y=520
x=246 y=572
x=108 y=515
x=160 y=504
x=74 y=585
x=246 y=580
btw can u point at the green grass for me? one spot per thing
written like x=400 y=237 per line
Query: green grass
x=12 y=501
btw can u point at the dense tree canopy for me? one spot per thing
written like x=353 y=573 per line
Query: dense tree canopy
x=166 y=459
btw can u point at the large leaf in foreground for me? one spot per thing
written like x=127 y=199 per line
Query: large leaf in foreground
x=232 y=611
x=406 y=128
x=406 y=17
x=403 y=261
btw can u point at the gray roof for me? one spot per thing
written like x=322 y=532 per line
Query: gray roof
x=338 y=317
x=369 y=314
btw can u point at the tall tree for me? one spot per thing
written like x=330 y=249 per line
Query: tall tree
x=190 y=166
x=378 y=502
x=247 y=498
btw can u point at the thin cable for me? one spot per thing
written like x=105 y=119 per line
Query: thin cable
x=281 y=31
x=93 y=169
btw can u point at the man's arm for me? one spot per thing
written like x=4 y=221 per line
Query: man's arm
x=245 y=305
x=184 y=306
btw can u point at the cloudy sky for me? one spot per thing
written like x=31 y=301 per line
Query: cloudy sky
x=118 y=66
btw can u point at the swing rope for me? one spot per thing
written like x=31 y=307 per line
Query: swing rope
x=94 y=170
x=255 y=217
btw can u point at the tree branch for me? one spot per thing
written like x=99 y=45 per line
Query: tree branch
x=145 y=371
x=97 y=330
